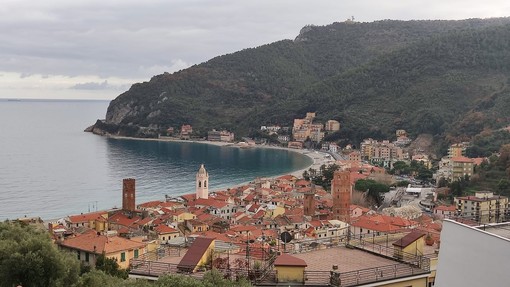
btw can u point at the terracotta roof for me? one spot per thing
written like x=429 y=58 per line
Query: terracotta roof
x=164 y=229
x=288 y=177
x=86 y=217
x=93 y=243
x=462 y=159
x=188 y=197
x=289 y=260
x=150 y=204
x=408 y=239
x=366 y=223
x=195 y=253
x=122 y=219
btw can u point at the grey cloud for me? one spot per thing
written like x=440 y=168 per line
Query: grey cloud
x=120 y=38
x=93 y=86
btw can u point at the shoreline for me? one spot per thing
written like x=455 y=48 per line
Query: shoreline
x=318 y=158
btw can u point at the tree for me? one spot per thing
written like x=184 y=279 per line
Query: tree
x=29 y=258
x=97 y=278
x=372 y=188
x=110 y=267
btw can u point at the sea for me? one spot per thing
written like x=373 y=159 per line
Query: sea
x=51 y=168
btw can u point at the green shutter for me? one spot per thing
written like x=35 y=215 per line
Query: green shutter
x=123 y=257
x=136 y=253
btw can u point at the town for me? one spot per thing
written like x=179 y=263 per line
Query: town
x=328 y=227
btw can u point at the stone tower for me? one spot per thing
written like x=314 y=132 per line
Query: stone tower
x=309 y=202
x=128 y=194
x=341 y=190
x=202 y=181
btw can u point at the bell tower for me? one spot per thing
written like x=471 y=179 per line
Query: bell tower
x=202 y=183
x=341 y=191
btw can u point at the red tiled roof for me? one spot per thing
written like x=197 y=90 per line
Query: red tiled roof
x=121 y=219
x=164 y=229
x=289 y=260
x=93 y=243
x=302 y=182
x=288 y=177
x=86 y=217
x=462 y=159
x=366 y=223
x=408 y=239
x=188 y=197
x=150 y=204
x=195 y=253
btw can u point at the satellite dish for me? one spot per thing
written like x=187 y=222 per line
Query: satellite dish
x=286 y=237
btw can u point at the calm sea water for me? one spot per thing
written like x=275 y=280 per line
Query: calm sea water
x=50 y=168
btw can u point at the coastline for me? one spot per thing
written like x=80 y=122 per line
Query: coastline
x=318 y=158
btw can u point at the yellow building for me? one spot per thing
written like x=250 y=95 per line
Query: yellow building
x=461 y=166
x=289 y=269
x=199 y=254
x=273 y=211
x=456 y=150
x=166 y=233
x=409 y=246
x=332 y=125
x=181 y=216
x=484 y=207
x=90 y=245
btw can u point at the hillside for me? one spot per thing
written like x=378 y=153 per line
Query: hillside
x=447 y=78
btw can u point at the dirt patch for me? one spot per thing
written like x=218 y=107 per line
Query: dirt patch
x=422 y=145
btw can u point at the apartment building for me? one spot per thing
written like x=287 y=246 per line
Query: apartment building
x=484 y=207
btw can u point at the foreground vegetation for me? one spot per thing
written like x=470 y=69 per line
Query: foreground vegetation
x=29 y=258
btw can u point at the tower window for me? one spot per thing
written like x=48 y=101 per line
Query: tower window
x=205 y=183
x=199 y=184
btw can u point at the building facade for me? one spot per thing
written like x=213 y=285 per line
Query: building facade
x=484 y=207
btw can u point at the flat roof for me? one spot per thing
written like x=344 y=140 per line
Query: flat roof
x=345 y=258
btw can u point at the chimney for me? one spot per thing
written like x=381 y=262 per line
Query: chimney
x=128 y=194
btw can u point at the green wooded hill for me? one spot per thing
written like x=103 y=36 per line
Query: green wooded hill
x=447 y=78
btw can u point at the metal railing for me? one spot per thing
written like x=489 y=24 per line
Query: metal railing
x=365 y=276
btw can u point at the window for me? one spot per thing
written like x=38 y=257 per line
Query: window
x=86 y=257
x=199 y=184
x=123 y=257
x=205 y=183
x=79 y=255
x=136 y=253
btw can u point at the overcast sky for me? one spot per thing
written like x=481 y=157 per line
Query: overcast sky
x=94 y=49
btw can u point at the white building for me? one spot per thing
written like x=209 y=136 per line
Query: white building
x=472 y=256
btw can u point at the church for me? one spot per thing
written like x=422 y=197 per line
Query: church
x=202 y=181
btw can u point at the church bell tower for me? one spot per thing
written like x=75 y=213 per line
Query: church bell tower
x=202 y=181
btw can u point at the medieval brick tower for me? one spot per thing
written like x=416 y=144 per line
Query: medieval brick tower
x=341 y=190
x=309 y=202
x=128 y=194
x=202 y=181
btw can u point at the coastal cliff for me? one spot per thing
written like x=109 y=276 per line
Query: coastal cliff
x=446 y=78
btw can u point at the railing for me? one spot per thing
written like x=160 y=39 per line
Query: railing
x=416 y=260
x=364 y=276
x=160 y=253
x=146 y=265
